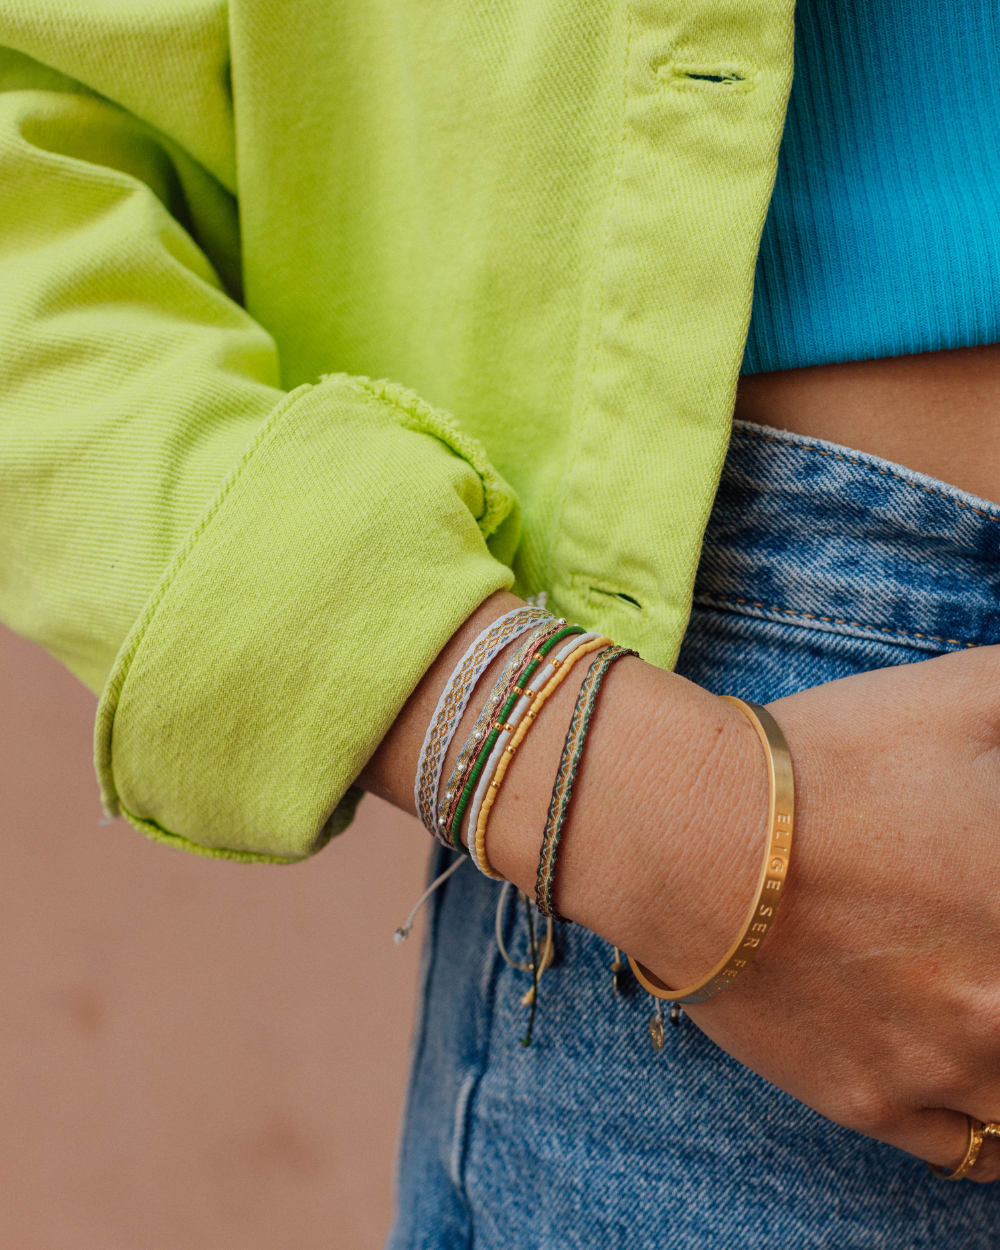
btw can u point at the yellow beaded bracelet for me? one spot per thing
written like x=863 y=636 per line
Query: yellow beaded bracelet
x=527 y=721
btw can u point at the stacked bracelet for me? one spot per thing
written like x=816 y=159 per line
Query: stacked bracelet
x=454 y=700
x=562 y=792
x=462 y=799
x=497 y=696
x=516 y=730
x=529 y=678
x=542 y=665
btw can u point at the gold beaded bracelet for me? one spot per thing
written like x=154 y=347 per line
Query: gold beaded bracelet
x=562 y=672
x=773 y=873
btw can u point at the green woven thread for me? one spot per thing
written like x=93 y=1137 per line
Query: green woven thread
x=491 y=741
x=569 y=763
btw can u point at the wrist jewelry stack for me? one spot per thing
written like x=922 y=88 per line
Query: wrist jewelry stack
x=533 y=673
x=463 y=790
x=465 y=765
x=454 y=700
x=512 y=734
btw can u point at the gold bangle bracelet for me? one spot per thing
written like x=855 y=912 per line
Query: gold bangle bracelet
x=773 y=873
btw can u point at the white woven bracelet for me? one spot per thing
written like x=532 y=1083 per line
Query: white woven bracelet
x=454 y=700
x=500 y=689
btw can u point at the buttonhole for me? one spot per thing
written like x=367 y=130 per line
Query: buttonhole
x=716 y=77
x=619 y=595
x=708 y=77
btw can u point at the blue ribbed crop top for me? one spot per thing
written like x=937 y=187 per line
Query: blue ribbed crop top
x=883 y=236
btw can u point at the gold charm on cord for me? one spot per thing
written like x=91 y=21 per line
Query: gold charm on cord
x=616 y=968
x=656 y=1034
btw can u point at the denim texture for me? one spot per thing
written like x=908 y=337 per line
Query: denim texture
x=818 y=562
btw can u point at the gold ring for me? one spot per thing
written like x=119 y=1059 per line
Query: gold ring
x=977 y=1130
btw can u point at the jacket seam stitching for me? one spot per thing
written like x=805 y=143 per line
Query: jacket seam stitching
x=600 y=267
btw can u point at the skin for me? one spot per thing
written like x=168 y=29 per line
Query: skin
x=876 y=996
x=935 y=413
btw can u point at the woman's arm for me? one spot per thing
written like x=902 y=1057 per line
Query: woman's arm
x=875 y=999
x=185 y=534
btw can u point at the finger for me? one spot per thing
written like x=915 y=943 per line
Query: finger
x=987 y=1166
x=942 y=1137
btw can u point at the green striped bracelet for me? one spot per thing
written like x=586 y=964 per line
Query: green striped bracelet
x=491 y=739
x=562 y=791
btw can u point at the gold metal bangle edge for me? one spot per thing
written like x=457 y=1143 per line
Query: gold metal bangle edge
x=774 y=870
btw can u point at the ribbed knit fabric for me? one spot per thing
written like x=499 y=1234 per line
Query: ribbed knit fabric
x=883 y=236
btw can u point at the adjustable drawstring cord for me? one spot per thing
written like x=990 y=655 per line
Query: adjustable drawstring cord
x=403 y=932
x=526 y=1040
x=541 y=957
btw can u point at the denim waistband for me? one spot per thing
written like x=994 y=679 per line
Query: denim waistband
x=814 y=534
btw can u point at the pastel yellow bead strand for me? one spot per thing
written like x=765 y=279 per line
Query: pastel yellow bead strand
x=510 y=750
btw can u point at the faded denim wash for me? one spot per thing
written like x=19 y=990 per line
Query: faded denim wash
x=819 y=562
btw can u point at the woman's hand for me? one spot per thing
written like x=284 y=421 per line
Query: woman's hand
x=876 y=997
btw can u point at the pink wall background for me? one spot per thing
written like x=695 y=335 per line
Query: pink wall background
x=194 y=1055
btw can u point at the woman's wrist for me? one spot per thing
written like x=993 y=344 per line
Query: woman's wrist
x=663 y=842
x=391 y=770
x=664 y=835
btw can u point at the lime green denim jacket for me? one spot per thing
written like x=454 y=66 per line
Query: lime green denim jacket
x=539 y=220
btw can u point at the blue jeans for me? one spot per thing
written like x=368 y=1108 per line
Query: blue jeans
x=818 y=562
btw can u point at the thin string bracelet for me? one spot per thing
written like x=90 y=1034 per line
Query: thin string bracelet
x=472 y=749
x=513 y=734
x=455 y=698
x=455 y=822
x=403 y=932
x=493 y=789
x=474 y=753
x=501 y=689
x=548 y=950
x=536 y=676
x=569 y=763
x=506 y=709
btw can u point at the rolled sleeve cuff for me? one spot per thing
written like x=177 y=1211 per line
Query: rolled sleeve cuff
x=357 y=532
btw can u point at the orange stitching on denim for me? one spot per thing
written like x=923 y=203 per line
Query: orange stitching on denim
x=833 y=620
x=767 y=438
